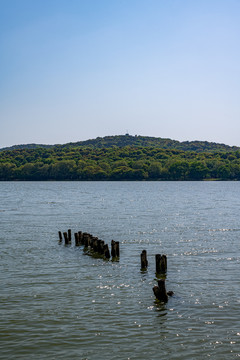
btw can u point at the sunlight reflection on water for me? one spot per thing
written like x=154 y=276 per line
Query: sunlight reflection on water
x=57 y=303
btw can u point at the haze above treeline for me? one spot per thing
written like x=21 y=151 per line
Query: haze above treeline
x=122 y=157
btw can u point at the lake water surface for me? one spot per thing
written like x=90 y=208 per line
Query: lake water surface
x=58 y=303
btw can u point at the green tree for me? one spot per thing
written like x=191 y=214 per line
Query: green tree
x=178 y=170
x=7 y=171
x=93 y=172
x=155 y=170
x=197 y=171
x=64 y=170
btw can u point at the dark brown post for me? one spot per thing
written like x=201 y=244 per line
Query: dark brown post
x=66 y=238
x=60 y=236
x=113 y=249
x=85 y=239
x=80 y=237
x=144 y=262
x=100 y=247
x=160 y=291
x=95 y=244
x=164 y=263
x=69 y=236
x=161 y=263
x=76 y=239
x=117 y=248
x=106 y=251
x=91 y=241
x=157 y=258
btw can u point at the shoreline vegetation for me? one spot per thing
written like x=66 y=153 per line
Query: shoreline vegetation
x=123 y=157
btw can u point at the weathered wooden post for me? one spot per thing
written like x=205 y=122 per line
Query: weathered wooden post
x=85 y=239
x=100 y=247
x=69 y=236
x=106 y=251
x=164 y=263
x=114 y=249
x=66 y=238
x=60 y=236
x=160 y=291
x=161 y=263
x=95 y=244
x=76 y=239
x=80 y=237
x=91 y=241
x=117 y=248
x=144 y=261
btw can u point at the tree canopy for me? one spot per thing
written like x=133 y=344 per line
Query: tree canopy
x=118 y=163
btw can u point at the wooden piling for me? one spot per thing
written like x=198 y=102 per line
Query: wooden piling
x=85 y=239
x=160 y=291
x=115 y=249
x=80 y=237
x=76 y=239
x=100 y=247
x=91 y=244
x=60 y=236
x=69 y=236
x=95 y=245
x=66 y=238
x=144 y=261
x=161 y=263
x=112 y=248
x=91 y=240
x=106 y=251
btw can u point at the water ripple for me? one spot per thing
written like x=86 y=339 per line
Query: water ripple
x=57 y=303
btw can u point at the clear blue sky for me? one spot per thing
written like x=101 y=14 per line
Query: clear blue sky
x=76 y=69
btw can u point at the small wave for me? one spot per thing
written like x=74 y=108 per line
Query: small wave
x=222 y=230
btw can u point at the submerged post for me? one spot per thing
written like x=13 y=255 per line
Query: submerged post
x=144 y=261
x=100 y=247
x=60 y=236
x=160 y=291
x=80 y=237
x=69 y=236
x=106 y=251
x=85 y=239
x=117 y=248
x=95 y=245
x=66 y=238
x=113 y=249
x=76 y=239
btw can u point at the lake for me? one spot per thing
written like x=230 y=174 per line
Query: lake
x=56 y=302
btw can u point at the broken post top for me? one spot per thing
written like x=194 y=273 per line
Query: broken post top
x=161 y=263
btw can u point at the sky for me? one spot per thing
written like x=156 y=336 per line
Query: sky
x=73 y=70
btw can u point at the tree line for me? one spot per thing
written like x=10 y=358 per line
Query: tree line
x=126 y=163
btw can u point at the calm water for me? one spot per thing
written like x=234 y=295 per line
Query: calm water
x=57 y=303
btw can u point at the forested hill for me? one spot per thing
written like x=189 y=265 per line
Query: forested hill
x=118 y=163
x=147 y=141
x=135 y=141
